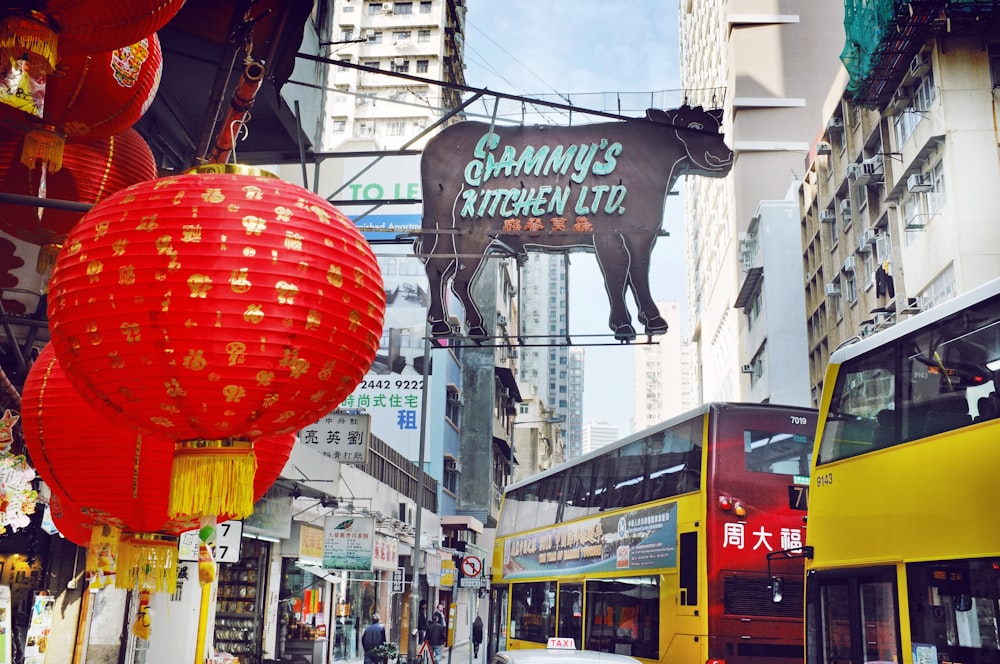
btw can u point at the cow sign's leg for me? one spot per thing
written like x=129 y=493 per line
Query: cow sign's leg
x=612 y=257
x=465 y=276
x=641 y=250
x=439 y=266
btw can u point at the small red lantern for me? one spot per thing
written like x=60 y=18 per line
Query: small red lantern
x=88 y=98
x=107 y=476
x=91 y=172
x=64 y=27
x=215 y=308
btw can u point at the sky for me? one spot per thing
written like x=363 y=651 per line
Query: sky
x=575 y=49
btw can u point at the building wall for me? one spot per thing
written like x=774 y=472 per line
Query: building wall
x=662 y=374
x=769 y=64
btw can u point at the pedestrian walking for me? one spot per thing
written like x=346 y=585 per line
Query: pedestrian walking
x=477 y=635
x=422 y=622
x=373 y=635
x=436 y=636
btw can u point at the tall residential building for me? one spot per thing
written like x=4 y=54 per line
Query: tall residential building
x=424 y=39
x=899 y=203
x=573 y=432
x=597 y=434
x=770 y=65
x=663 y=374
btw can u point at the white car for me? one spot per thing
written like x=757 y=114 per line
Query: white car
x=559 y=651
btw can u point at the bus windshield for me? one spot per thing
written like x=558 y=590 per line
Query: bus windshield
x=929 y=382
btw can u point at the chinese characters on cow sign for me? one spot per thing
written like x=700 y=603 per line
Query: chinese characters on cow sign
x=599 y=187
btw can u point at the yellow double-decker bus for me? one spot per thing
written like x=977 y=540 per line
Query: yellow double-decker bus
x=903 y=539
x=670 y=545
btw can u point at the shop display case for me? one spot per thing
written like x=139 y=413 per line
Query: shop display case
x=239 y=603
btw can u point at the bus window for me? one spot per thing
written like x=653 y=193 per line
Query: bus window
x=779 y=453
x=531 y=609
x=865 y=388
x=623 y=616
x=571 y=612
x=953 y=615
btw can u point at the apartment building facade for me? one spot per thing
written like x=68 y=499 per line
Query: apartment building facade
x=899 y=206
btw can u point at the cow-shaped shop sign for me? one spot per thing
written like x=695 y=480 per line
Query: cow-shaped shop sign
x=599 y=187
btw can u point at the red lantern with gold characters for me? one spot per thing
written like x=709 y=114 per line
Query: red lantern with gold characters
x=91 y=172
x=56 y=28
x=90 y=97
x=104 y=475
x=215 y=308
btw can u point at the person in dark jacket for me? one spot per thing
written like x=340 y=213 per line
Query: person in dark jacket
x=436 y=636
x=422 y=622
x=477 y=635
x=373 y=635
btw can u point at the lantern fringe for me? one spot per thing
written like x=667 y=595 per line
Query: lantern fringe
x=102 y=556
x=43 y=144
x=47 y=255
x=149 y=559
x=212 y=478
x=20 y=34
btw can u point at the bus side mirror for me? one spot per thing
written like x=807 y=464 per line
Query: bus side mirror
x=777 y=588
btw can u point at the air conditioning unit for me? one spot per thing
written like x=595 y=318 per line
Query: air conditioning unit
x=919 y=65
x=827 y=216
x=871 y=170
x=863 y=246
x=845 y=206
x=747 y=368
x=453 y=465
x=918 y=183
x=853 y=170
x=824 y=147
x=849 y=264
x=455 y=398
x=900 y=99
x=501 y=319
x=833 y=288
x=835 y=124
x=398 y=62
x=386 y=7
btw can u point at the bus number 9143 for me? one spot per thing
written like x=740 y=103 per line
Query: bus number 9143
x=824 y=479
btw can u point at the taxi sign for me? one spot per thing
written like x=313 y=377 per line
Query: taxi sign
x=561 y=643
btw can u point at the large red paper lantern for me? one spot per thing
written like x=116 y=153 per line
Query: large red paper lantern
x=91 y=172
x=88 y=98
x=62 y=27
x=214 y=309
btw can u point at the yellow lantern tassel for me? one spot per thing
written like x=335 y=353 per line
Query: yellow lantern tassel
x=142 y=626
x=211 y=478
x=43 y=144
x=30 y=35
x=149 y=559
x=102 y=556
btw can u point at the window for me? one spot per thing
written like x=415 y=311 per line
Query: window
x=963 y=622
x=422 y=66
x=375 y=37
x=850 y=286
x=347 y=34
x=777 y=452
x=339 y=126
x=425 y=7
x=400 y=8
x=399 y=65
x=401 y=37
x=623 y=616
x=423 y=36
x=532 y=608
x=396 y=127
x=374 y=8
x=342 y=68
x=924 y=94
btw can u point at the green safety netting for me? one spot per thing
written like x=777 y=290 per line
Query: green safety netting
x=874 y=29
